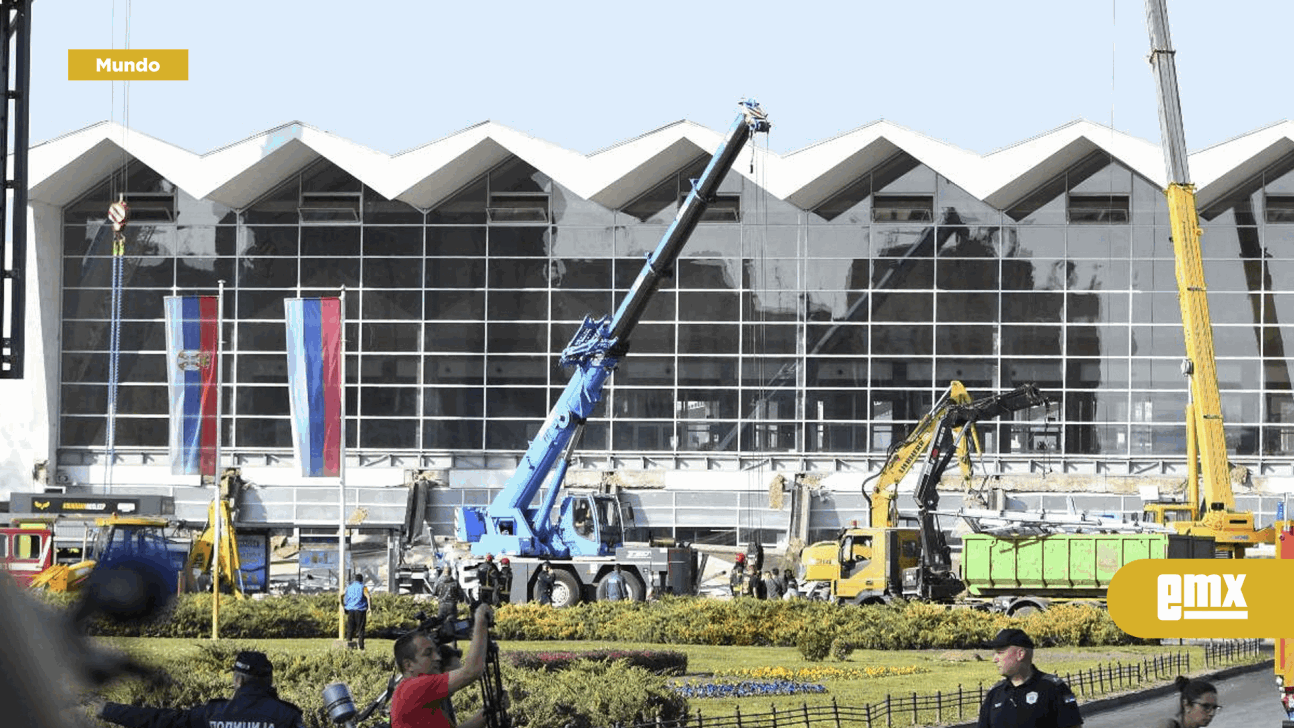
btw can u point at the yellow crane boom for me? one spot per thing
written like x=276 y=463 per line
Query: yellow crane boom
x=1210 y=507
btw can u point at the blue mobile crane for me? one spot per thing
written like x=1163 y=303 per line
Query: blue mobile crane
x=588 y=538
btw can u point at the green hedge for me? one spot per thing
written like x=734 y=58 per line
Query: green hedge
x=297 y=615
x=575 y=696
x=812 y=627
x=816 y=628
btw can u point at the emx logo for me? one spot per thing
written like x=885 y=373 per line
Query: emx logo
x=1201 y=598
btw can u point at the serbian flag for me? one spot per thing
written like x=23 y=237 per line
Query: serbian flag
x=314 y=383
x=193 y=373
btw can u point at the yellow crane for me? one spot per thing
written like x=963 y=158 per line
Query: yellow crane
x=1210 y=506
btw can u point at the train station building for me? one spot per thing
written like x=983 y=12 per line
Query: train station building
x=826 y=301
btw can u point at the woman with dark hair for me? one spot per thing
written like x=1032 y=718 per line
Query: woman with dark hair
x=1196 y=707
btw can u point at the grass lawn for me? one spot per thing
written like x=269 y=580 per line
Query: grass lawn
x=935 y=670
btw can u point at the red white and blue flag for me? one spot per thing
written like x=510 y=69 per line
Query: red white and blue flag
x=315 y=383
x=193 y=373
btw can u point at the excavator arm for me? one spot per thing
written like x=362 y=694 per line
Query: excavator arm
x=905 y=453
x=954 y=427
x=205 y=548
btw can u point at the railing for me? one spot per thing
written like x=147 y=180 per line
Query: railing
x=961 y=705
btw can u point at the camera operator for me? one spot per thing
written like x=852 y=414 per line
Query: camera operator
x=425 y=689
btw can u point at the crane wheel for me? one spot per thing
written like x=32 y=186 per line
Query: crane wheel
x=566 y=589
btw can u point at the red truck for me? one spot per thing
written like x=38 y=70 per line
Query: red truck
x=26 y=551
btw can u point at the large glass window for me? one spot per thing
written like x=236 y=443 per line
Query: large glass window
x=825 y=325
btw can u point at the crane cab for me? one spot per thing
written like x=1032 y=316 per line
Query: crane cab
x=593 y=524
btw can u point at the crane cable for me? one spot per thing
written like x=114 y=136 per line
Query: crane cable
x=118 y=215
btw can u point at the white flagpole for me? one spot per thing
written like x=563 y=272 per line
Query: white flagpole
x=215 y=498
x=341 y=470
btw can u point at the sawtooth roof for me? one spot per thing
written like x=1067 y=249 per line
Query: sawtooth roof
x=62 y=169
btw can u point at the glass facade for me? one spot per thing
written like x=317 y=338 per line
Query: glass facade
x=826 y=331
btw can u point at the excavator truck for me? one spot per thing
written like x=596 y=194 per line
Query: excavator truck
x=883 y=561
x=588 y=538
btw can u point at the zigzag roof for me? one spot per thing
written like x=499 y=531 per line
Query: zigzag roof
x=64 y=168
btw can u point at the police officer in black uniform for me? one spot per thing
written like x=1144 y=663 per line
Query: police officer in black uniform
x=254 y=704
x=1027 y=697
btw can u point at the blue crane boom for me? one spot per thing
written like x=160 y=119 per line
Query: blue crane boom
x=510 y=524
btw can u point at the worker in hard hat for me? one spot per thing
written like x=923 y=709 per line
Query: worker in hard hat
x=737 y=577
x=503 y=594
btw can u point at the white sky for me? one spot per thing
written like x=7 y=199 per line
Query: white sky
x=395 y=74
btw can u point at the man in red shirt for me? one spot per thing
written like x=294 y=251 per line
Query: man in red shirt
x=424 y=691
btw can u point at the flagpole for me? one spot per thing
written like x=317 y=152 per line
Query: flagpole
x=341 y=471
x=215 y=498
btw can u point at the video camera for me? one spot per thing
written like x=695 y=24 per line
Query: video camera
x=446 y=633
x=448 y=630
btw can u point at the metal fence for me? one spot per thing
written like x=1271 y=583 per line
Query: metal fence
x=961 y=705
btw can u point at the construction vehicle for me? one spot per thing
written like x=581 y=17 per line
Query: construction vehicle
x=589 y=536
x=1210 y=506
x=883 y=562
x=222 y=547
x=26 y=550
x=118 y=533
x=218 y=541
x=1019 y=575
x=115 y=535
x=903 y=454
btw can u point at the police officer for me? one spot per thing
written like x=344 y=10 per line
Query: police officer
x=254 y=704
x=1027 y=697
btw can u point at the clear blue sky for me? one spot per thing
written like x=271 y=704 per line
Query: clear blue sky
x=585 y=75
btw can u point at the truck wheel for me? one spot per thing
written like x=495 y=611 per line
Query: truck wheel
x=637 y=592
x=1025 y=610
x=566 y=589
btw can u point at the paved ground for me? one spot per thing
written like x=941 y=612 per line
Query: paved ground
x=1248 y=699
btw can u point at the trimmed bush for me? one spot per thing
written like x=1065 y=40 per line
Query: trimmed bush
x=815 y=645
x=578 y=696
x=658 y=663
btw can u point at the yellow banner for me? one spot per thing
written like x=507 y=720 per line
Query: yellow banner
x=1202 y=598
x=164 y=64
